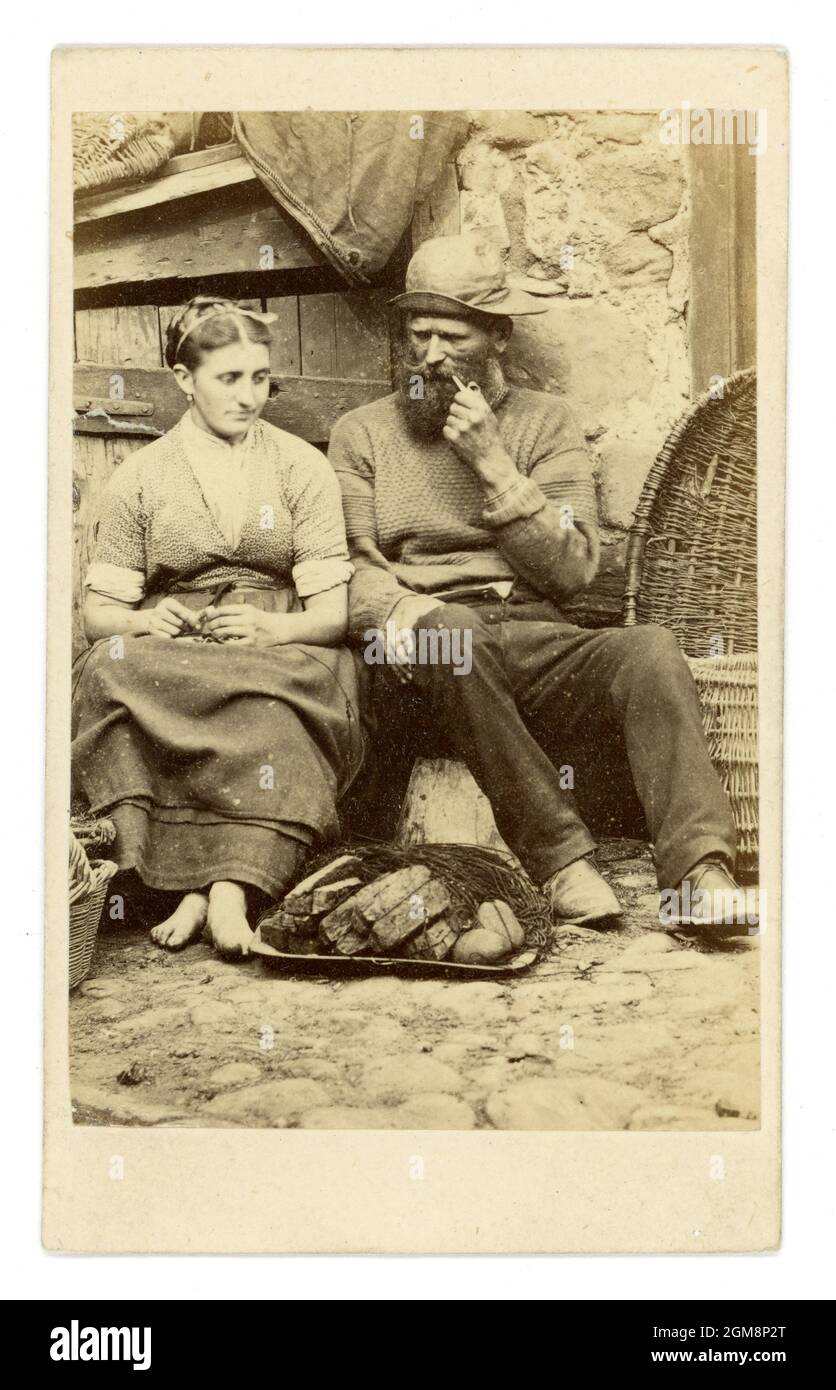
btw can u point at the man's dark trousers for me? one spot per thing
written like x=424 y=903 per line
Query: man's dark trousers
x=612 y=714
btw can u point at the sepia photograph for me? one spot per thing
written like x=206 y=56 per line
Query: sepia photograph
x=414 y=723
x=414 y=745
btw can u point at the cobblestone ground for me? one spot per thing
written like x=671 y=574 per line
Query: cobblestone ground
x=626 y=1029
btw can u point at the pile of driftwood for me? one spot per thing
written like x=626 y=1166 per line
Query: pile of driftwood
x=409 y=911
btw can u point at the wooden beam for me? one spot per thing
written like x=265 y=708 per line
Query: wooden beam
x=709 y=315
x=257 y=284
x=182 y=177
x=113 y=407
x=722 y=310
x=306 y=406
x=195 y=159
x=102 y=424
x=219 y=233
x=745 y=167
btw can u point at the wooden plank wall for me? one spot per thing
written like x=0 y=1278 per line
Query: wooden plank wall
x=331 y=353
x=335 y=336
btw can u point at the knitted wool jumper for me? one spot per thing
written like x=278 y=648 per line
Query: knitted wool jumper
x=156 y=521
x=424 y=508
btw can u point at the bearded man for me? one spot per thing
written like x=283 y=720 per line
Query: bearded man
x=470 y=508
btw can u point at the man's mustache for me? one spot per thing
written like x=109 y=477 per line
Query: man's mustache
x=427 y=373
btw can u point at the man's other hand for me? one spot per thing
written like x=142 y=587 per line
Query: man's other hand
x=409 y=611
x=405 y=617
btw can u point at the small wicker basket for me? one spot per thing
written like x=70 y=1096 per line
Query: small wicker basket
x=88 y=885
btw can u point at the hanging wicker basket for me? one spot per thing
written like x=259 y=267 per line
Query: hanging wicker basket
x=692 y=568
x=111 y=148
x=88 y=885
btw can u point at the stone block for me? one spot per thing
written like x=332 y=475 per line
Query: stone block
x=633 y=189
x=234 y=1074
x=624 y=469
x=620 y=127
x=395 y=1077
x=269 y=1103
x=510 y=129
x=636 y=260
x=587 y=351
x=575 y=1103
x=433 y=1111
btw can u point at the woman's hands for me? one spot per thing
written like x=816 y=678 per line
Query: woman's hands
x=241 y=622
x=229 y=622
x=170 y=618
x=323 y=622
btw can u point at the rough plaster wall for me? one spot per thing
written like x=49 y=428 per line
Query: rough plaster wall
x=613 y=341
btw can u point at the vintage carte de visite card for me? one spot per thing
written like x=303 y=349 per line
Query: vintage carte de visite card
x=415 y=650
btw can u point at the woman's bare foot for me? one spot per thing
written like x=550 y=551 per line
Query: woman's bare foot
x=185 y=923
x=228 y=927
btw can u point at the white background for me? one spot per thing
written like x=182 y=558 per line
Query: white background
x=803 y=1269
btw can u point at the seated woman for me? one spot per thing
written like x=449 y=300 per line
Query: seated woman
x=215 y=716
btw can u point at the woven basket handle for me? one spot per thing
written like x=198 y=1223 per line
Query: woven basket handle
x=81 y=870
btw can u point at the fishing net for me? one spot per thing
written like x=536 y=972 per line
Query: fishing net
x=470 y=873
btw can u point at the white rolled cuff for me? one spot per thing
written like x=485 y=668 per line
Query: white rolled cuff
x=114 y=581
x=316 y=576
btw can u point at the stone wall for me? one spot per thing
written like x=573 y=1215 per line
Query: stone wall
x=595 y=204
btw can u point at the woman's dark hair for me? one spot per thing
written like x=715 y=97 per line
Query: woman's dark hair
x=220 y=329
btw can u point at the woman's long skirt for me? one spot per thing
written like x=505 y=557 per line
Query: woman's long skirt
x=214 y=759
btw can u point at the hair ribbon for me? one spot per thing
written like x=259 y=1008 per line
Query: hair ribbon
x=222 y=312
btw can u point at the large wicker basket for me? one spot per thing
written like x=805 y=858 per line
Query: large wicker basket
x=728 y=690
x=88 y=885
x=692 y=553
x=692 y=567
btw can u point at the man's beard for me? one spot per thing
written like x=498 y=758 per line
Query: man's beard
x=427 y=393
